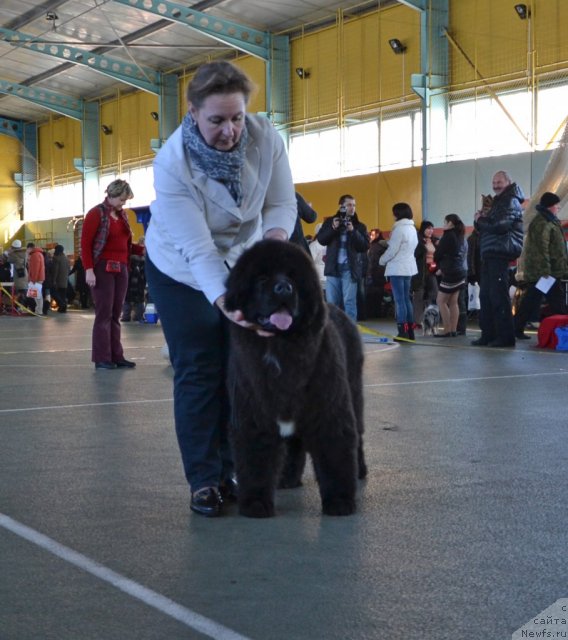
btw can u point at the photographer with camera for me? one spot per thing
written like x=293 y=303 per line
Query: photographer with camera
x=345 y=237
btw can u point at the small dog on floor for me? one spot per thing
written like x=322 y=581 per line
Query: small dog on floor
x=431 y=320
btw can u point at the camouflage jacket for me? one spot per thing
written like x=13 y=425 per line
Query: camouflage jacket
x=545 y=251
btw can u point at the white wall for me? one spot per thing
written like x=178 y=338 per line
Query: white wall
x=456 y=187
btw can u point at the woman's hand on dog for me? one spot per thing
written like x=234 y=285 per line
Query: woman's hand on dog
x=238 y=318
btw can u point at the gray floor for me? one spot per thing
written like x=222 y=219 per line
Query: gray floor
x=461 y=531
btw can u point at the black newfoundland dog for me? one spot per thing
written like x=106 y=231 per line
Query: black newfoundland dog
x=304 y=382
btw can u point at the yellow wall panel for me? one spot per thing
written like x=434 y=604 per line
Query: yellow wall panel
x=10 y=161
x=352 y=67
x=372 y=72
x=109 y=144
x=10 y=192
x=549 y=20
x=498 y=43
x=55 y=161
x=132 y=128
x=255 y=70
x=316 y=96
x=375 y=195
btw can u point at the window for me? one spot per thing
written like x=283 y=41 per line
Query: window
x=361 y=148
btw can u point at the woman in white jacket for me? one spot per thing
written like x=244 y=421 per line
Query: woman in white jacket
x=222 y=183
x=401 y=266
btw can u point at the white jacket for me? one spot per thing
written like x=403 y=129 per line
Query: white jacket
x=196 y=228
x=399 y=257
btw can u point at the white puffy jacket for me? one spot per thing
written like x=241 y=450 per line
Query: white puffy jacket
x=399 y=257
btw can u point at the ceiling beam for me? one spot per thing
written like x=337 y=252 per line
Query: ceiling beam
x=60 y=103
x=126 y=40
x=142 y=78
x=251 y=41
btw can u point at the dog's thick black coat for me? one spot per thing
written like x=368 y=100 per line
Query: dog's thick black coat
x=305 y=380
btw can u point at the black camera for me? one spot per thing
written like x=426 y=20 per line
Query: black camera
x=342 y=216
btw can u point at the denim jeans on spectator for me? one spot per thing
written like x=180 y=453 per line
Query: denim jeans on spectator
x=404 y=310
x=342 y=291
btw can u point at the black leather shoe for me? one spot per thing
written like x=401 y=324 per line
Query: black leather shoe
x=229 y=490
x=522 y=336
x=480 y=342
x=105 y=365
x=125 y=364
x=206 y=502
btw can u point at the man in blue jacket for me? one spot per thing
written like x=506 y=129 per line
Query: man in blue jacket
x=500 y=241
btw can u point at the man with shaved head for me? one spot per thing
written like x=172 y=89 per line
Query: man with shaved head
x=500 y=241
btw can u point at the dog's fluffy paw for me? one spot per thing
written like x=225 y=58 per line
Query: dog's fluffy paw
x=257 y=509
x=339 y=507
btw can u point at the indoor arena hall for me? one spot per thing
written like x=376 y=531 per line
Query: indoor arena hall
x=174 y=172
x=460 y=530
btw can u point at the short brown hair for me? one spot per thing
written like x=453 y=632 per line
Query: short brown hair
x=119 y=188
x=217 y=77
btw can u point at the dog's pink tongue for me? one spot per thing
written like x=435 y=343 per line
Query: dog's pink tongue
x=281 y=319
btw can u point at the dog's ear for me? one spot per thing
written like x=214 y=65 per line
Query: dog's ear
x=237 y=285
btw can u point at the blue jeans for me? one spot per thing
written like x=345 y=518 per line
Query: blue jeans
x=403 y=302
x=198 y=339
x=342 y=291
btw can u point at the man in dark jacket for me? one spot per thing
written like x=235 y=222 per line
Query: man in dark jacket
x=500 y=241
x=307 y=214
x=345 y=237
x=544 y=255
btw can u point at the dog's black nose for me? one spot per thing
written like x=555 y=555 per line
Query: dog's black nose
x=283 y=288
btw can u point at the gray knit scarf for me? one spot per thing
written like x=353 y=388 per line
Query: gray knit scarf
x=223 y=166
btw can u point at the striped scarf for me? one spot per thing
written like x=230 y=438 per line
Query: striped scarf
x=224 y=166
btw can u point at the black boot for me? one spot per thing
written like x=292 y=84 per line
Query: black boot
x=410 y=331
x=402 y=331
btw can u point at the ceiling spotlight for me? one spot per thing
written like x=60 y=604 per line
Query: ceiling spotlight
x=302 y=73
x=58 y=144
x=51 y=16
x=155 y=115
x=396 y=45
x=106 y=129
x=522 y=11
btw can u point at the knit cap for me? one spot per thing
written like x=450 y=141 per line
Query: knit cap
x=549 y=199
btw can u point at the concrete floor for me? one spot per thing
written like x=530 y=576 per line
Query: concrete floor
x=461 y=532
